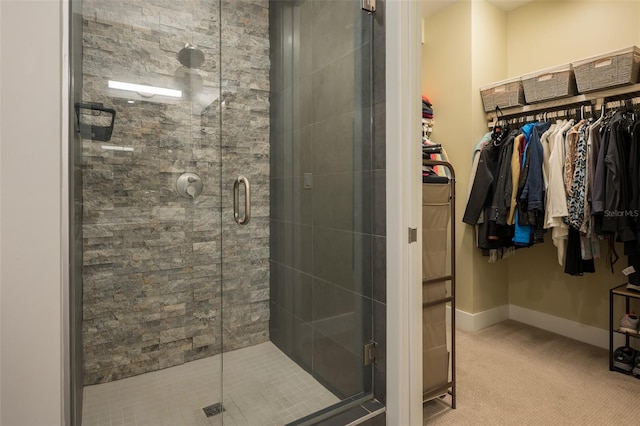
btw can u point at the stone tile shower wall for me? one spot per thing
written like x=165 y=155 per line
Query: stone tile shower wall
x=152 y=265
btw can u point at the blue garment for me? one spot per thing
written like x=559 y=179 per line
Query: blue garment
x=522 y=234
x=533 y=192
x=527 y=129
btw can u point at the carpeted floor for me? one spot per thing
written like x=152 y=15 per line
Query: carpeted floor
x=514 y=374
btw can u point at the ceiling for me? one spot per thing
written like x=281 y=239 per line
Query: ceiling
x=429 y=7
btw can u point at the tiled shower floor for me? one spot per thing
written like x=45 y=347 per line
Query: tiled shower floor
x=262 y=386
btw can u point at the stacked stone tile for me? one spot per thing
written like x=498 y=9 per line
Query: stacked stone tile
x=166 y=279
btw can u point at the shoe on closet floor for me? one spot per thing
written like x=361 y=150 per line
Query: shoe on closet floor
x=624 y=358
x=630 y=323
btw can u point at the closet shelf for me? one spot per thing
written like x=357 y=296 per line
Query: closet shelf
x=622 y=291
x=627 y=295
x=627 y=333
x=598 y=98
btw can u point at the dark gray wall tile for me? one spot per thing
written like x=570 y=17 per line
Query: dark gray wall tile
x=379 y=154
x=333 y=29
x=303 y=102
x=379 y=70
x=281 y=327
x=277 y=242
x=281 y=285
x=276 y=155
x=331 y=301
x=343 y=201
x=333 y=89
x=350 y=329
x=290 y=201
x=379 y=275
x=380 y=384
x=379 y=202
x=339 y=368
x=303 y=248
x=276 y=40
x=302 y=296
x=303 y=39
x=292 y=245
x=379 y=28
x=380 y=334
x=342 y=143
x=303 y=150
x=302 y=351
x=331 y=108
x=343 y=258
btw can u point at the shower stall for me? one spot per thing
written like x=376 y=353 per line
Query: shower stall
x=228 y=198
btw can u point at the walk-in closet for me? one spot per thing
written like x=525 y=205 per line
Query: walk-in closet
x=518 y=300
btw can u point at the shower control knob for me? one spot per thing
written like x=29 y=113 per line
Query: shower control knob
x=189 y=185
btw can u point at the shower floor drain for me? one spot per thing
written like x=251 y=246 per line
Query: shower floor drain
x=214 y=409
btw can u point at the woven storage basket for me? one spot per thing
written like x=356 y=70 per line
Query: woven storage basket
x=506 y=93
x=550 y=83
x=611 y=69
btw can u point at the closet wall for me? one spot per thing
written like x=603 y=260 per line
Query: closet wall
x=469 y=44
x=458 y=54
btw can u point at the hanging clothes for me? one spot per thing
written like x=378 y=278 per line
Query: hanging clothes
x=483 y=191
x=579 y=179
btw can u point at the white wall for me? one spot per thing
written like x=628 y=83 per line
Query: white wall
x=30 y=241
x=404 y=309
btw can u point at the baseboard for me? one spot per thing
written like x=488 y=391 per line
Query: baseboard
x=474 y=322
x=564 y=327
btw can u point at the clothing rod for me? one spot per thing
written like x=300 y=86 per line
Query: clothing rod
x=567 y=111
x=596 y=98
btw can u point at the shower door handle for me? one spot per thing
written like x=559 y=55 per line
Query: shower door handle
x=247 y=200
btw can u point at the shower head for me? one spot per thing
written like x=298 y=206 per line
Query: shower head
x=190 y=56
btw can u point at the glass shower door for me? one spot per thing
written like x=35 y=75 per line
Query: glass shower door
x=146 y=77
x=224 y=200
x=296 y=124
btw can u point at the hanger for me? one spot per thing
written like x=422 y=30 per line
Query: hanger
x=499 y=118
x=498 y=132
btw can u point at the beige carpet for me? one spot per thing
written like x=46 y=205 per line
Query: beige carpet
x=514 y=374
